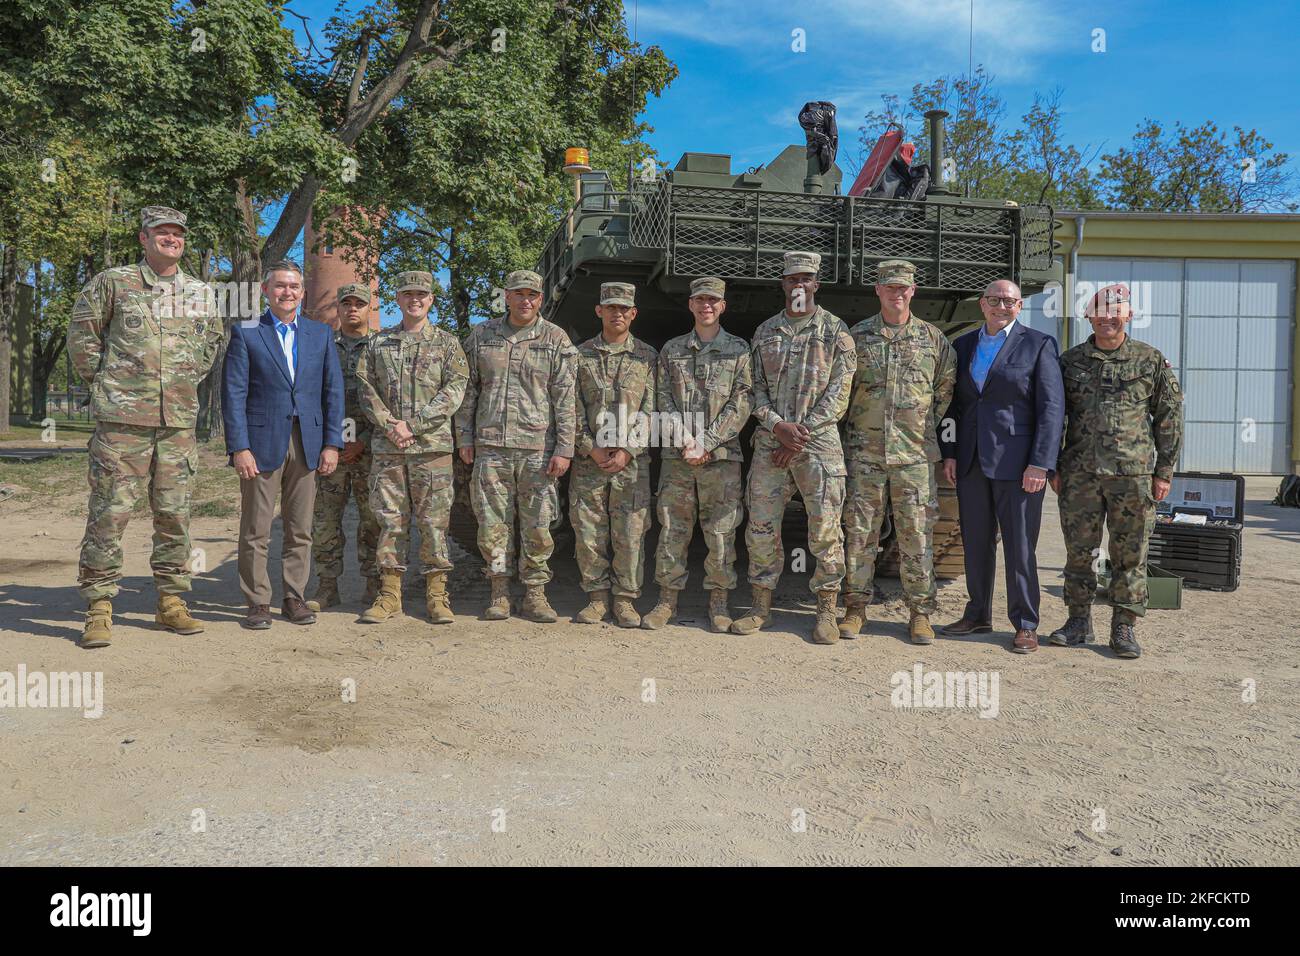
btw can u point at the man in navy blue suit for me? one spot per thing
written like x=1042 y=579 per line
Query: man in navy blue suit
x=282 y=401
x=999 y=442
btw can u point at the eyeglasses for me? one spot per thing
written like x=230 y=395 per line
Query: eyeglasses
x=1005 y=301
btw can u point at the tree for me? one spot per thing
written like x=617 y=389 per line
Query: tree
x=1200 y=169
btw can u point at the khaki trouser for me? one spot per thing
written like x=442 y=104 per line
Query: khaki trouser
x=296 y=484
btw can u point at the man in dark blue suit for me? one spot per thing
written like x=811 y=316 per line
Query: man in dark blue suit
x=999 y=442
x=282 y=401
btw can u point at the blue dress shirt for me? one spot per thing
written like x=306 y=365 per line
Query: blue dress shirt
x=986 y=352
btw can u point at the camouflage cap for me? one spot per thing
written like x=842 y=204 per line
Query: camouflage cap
x=795 y=263
x=417 y=281
x=709 y=285
x=355 y=290
x=151 y=216
x=617 y=293
x=1108 y=295
x=523 y=279
x=896 y=272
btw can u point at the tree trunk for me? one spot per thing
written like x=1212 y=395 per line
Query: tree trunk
x=8 y=313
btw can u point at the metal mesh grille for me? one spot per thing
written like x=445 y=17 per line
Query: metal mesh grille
x=955 y=248
x=650 y=202
x=1036 y=239
x=735 y=233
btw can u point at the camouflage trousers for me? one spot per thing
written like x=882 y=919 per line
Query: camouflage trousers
x=1126 y=505
x=509 y=484
x=820 y=482
x=327 y=537
x=122 y=457
x=711 y=492
x=406 y=489
x=610 y=516
x=913 y=498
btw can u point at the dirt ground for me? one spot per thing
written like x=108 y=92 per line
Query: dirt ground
x=510 y=743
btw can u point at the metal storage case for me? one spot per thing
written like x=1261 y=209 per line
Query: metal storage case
x=1209 y=555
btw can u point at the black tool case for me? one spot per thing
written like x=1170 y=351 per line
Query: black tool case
x=1209 y=555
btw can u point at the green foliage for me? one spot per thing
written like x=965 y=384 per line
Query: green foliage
x=1185 y=169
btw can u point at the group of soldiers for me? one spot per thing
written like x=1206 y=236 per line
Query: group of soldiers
x=518 y=402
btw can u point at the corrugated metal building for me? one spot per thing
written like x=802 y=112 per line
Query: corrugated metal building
x=1216 y=293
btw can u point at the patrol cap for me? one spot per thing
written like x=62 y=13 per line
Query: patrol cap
x=523 y=279
x=151 y=216
x=354 y=290
x=421 y=281
x=709 y=285
x=896 y=272
x=1107 y=295
x=617 y=293
x=797 y=262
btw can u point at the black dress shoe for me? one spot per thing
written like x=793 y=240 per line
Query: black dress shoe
x=297 y=612
x=966 y=626
x=258 y=617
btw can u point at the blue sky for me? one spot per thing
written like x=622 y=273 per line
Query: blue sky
x=741 y=85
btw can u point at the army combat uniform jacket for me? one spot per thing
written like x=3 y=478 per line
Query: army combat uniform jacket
x=711 y=382
x=521 y=388
x=415 y=377
x=903 y=383
x=143 y=344
x=803 y=372
x=1123 y=411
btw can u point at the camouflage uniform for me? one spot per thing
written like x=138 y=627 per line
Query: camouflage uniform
x=333 y=490
x=519 y=411
x=419 y=378
x=903 y=384
x=1123 y=424
x=143 y=343
x=615 y=395
x=712 y=383
x=803 y=370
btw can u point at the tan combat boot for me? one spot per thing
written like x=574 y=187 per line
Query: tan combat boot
x=498 y=608
x=663 y=612
x=389 y=602
x=625 y=614
x=826 y=630
x=919 y=628
x=855 y=615
x=535 y=607
x=98 y=630
x=175 y=616
x=372 y=590
x=596 y=610
x=435 y=597
x=327 y=594
x=758 y=615
x=719 y=613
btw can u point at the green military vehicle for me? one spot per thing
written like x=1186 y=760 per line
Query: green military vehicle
x=703 y=218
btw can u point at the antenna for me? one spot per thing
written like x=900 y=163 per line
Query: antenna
x=631 y=161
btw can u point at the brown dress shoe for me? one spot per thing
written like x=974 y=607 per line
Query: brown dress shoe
x=1025 y=641
x=966 y=626
x=259 y=617
x=297 y=612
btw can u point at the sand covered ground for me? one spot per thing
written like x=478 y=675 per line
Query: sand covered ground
x=513 y=742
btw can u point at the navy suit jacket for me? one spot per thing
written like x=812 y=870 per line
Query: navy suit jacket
x=1017 y=420
x=259 y=401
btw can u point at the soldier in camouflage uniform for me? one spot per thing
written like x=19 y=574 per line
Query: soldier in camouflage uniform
x=609 y=490
x=352 y=477
x=1123 y=433
x=706 y=382
x=410 y=381
x=516 y=427
x=803 y=363
x=903 y=384
x=142 y=337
